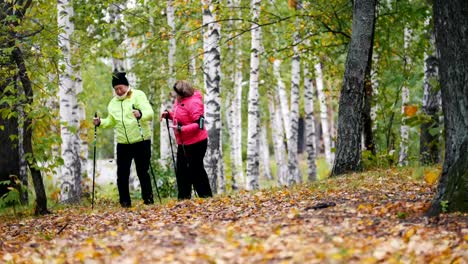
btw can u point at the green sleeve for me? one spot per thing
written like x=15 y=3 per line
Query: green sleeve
x=109 y=121
x=144 y=106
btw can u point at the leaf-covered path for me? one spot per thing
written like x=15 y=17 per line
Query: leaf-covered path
x=365 y=218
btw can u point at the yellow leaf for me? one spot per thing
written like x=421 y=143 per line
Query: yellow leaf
x=410 y=110
x=408 y=234
x=431 y=176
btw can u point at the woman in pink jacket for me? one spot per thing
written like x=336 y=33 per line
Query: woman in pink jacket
x=192 y=140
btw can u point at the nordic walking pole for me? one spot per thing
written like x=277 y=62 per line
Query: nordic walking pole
x=94 y=161
x=170 y=143
x=151 y=167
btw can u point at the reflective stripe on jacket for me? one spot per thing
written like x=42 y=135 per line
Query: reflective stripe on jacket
x=120 y=116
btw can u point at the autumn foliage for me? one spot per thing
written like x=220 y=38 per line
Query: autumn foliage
x=360 y=218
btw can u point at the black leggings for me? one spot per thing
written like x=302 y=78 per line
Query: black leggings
x=141 y=153
x=191 y=171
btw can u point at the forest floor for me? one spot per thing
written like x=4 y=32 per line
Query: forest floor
x=370 y=217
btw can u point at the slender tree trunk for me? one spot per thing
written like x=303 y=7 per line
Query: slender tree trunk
x=283 y=98
x=70 y=179
x=309 y=124
x=278 y=141
x=41 y=199
x=265 y=152
x=375 y=107
x=405 y=96
x=212 y=77
x=348 y=151
x=323 y=114
x=23 y=165
x=164 y=147
x=294 y=176
x=253 y=132
x=234 y=119
x=430 y=131
x=451 y=24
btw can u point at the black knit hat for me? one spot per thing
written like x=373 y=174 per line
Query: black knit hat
x=119 y=78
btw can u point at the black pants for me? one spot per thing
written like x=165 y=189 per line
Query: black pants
x=141 y=153
x=191 y=171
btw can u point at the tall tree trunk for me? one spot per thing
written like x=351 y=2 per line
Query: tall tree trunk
x=212 y=77
x=164 y=147
x=451 y=24
x=23 y=165
x=265 y=152
x=405 y=96
x=293 y=163
x=41 y=198
x=70 y=178
x=278 y=141
x=323 y=114
x=309 y=124
x=430 y=130
x=253 y=123
x=283 y=98
x=348 y=151
x=234 y=119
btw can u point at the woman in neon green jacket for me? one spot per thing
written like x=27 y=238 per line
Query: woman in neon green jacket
x=127 y=111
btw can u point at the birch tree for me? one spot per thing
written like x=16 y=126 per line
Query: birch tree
x=283 y=97
x=323 y=113
x=164 y=146
x=294 y=176
x=348 y=151
x=430 y=130
x=212 y=76
x=234 y=119
x=265 y=152
x=70 y=178
x=405 y=95
x=253 y=132
x=278 y=141
x=309 y=124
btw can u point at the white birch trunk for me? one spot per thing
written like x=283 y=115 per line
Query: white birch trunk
x=234 y=106
x=166 y=99
x=294 y=176
x=323 y=114
x=278 y=142
x=265 y=152
x=253 y=131
x=70 y=178
x=375 y=91
x=283 y=98
x=23 y=165
x=310 y=125
x=405 y=95
x=237 y=122
x=212 y=75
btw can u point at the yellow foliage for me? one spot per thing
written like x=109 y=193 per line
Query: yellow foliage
x=431 y=176
x=410 y=110
x=292 y=4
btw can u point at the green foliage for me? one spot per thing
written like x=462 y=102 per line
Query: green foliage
x=11 y=198
x=444 y=206
x=165 y=179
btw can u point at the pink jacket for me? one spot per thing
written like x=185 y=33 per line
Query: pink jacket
x=187 y=113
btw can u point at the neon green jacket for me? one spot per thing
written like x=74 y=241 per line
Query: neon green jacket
x=121 y=117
